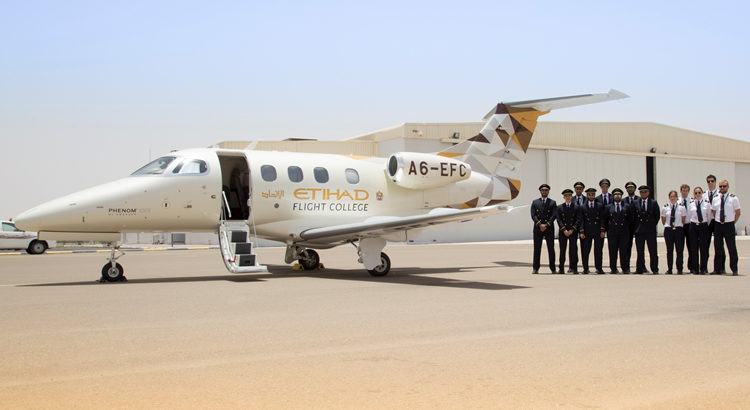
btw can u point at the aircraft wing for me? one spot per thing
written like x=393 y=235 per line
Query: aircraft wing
x=382 y=225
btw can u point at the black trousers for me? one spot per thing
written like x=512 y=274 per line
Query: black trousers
x=586 y=244
x=642 y=239
x=571 y=244
x=549 y=237
x=675 y=240
x=630 y=241
x=700 y=239
x=691 y=258
x=618 y=245
x=725 y=232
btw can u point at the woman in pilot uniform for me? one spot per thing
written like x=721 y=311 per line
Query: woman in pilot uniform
x=699 y=217
x=673 y=217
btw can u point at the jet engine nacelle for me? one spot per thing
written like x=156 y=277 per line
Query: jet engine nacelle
x=416 y=170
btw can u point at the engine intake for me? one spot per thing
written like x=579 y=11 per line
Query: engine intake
x=415 y=170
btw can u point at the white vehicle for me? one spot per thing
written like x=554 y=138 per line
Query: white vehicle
x=308 y=201
x=14 y=238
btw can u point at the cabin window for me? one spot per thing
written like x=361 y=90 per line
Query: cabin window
x=268 y=173
x=321 y=174
x=155 y=167
x=352 y=176
x=191 y=167
x=295 y=174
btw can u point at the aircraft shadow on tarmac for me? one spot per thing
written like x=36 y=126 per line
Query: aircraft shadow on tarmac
x=404 y=276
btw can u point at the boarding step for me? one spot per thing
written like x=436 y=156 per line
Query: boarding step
x=238 y=236
x=243 y=248
x=245 y=260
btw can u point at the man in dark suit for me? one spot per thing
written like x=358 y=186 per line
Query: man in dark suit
x=647 y=214
x=618 y=215
x=591 y=223
x=543 y=214
x=605 y=198
x=567 y=221
x=630 y=200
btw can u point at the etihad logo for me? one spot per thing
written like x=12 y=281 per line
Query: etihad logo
x=325 y=194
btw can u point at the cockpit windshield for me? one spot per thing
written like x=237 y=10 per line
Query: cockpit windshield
x=155 y=167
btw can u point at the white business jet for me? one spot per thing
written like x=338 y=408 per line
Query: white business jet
x=307 y=201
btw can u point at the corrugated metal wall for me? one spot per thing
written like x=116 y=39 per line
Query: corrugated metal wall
x=673 y=172
x=567 y=167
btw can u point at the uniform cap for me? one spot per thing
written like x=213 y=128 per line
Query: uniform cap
x=579 y=184
x=617 y=191
x=644 y=188
x=543 y=186
x=567 y=191
x=604 y=181
x=591 y=190
x=629 y=184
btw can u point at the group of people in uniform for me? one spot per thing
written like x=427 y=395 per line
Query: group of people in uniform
x=588 y=221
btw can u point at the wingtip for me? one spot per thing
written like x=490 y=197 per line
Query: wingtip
x=617 y=94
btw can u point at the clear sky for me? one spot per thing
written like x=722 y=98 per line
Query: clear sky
x=88 y=89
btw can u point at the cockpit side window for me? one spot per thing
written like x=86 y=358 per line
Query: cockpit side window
x=155 y=167
x=191 y=167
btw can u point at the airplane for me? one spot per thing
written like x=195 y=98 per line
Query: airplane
x=307 y=201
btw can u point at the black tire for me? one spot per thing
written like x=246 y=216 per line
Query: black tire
x=310 y=259
x=383 y=268
x=110 y=274
x=37 y=247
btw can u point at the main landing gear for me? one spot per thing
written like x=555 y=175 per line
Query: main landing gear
x=113 y=271
x=376 y=263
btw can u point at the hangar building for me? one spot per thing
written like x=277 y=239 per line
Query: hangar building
x=560 y=153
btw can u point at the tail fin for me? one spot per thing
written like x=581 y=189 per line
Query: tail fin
x=501 y=145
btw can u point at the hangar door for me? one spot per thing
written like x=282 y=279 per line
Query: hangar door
x=673 y=172
x=566 y=167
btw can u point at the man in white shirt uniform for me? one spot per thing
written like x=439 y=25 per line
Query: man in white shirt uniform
x=726 y=208
x=699 y=215
x=673 y=217
x=711 y=192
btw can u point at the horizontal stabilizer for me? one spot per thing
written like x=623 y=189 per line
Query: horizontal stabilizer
x=549 y=104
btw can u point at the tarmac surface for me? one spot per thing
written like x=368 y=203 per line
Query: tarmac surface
x=451 y=326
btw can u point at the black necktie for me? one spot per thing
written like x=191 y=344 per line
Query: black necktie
x=711 y=197
x=617 y=208
x=684 y=202
x=723 y=217
x=671 y=217
x=644 y=205
x=700 y=211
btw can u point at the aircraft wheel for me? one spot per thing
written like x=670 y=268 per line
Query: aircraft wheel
x=112 y=274
x=310 y=259
x=36 y=247
x=383 y=268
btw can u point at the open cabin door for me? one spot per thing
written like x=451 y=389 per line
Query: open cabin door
x=237 y=238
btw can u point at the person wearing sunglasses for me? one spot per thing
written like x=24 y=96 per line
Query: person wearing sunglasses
x=726 y=211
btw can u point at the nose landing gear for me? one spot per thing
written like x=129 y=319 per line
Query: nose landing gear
x=113 y=271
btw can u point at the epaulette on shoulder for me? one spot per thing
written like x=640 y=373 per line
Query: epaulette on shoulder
x=732 y=195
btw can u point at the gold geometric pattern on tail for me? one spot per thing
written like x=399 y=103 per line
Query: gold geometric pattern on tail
x=497 y=151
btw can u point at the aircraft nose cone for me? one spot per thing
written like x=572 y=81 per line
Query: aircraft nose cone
x=26 y=221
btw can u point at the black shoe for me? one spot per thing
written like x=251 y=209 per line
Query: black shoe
x=669 y=271
x=560 y=272
x=614 y=271
x=535 y=272
x=638 y=272
x=585 y=271
x=715 y=273
x=656 y=272
x=575 y=272
x=599 y=272
x=553 y=270
x=693 y=271
x=571 y=271
x=626 y=272
x=734 y=273
x=679 y=272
